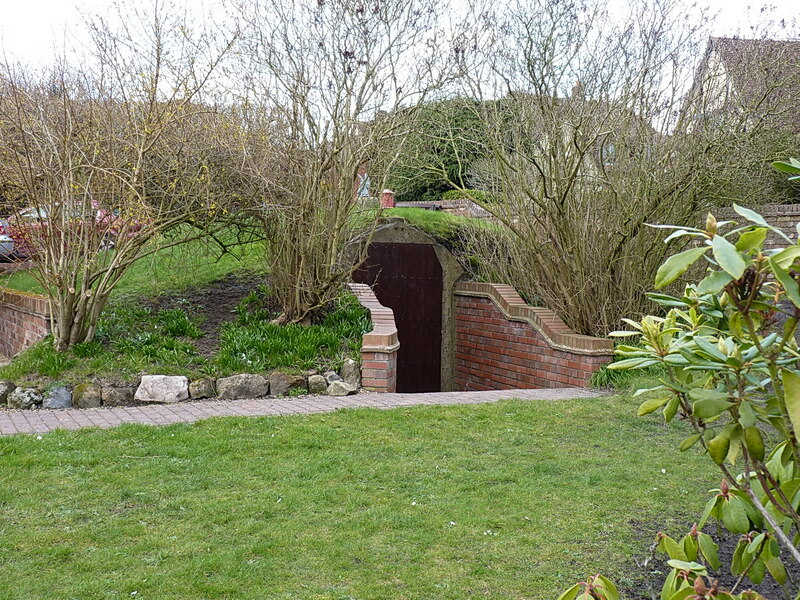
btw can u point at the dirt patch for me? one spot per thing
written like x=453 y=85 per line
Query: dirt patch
x=646 y=573
x=212 y=305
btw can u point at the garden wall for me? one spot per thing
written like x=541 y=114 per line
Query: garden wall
x=502 y=343
x=24 y=320
x=783 y=216
x=379 y=346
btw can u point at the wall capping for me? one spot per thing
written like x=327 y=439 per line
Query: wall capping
x=379 y=346
x=24 y=320
x=383 y=337
x=543 y=320
x=25 y=302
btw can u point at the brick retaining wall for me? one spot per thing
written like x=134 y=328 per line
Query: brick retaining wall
x=24 y=320
x=502 y=343
x=379 y=346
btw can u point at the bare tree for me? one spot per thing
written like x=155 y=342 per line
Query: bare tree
x=108 y=158
x=331 y=82
x=578 y=109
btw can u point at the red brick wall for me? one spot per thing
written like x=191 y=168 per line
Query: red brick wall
x=783 y=216
x=501 y=343
x=379 y=346
x=24 y=320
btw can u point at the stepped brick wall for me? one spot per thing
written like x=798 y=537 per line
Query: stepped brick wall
x=24 y=320
x=379 y=346
x=502 y=343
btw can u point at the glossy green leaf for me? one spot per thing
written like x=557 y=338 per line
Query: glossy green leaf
x=673 y=548
x=750 y=215
x=791 y=391
x=709 y=348
x=571 y=593
x=754 y=545
x=677 y=265
x=757 y=571
x=709 y=549
x=668 y=589
x=703 y=394
x=712 y=407
x=728 y=257
x=734 y=515
x=754 y=442
x=682 y=594
x=787 y=256
x=671 y=409
x=718 y=447
x=790 y=166
x=651 y=405
x=776 y=569
x=747 y=416
x=714 y=283
x=750 y=240
x=692 y=566
x=689 y=442
x=609 y=589
x=708 y=511
x=737 y=565
x=787 y=282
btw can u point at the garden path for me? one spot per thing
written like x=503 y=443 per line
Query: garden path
x=43 y=421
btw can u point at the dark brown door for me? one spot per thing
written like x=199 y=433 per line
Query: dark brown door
x=408 y=279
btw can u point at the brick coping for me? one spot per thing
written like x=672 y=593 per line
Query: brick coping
x=557 y=335
x=43 y=421
x=25 y=302
x=383 y=337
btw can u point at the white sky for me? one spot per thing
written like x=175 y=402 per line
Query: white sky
x=30 y=30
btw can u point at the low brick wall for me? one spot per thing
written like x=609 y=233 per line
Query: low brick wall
x=24 y=320
x=502 y=343
x=783 y=216
x=379 y=346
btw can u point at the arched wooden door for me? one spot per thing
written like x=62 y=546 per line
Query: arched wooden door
x=408 y=279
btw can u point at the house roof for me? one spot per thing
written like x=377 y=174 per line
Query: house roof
x=763 y=74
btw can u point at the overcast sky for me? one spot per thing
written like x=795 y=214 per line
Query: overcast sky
x=31 y=29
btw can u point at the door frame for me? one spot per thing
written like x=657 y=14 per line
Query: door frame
x=399 y=232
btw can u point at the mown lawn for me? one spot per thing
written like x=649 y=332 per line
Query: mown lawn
x=511 y=500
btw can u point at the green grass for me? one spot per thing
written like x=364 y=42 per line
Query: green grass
x=254 y=343
x=171 y=270
x=497 y=501
x=440 y=225
x=132 y=339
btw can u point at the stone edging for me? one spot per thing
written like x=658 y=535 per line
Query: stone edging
x=383 y=337
x=543 y=320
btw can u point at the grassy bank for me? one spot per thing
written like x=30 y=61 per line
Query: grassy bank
x=171 y=270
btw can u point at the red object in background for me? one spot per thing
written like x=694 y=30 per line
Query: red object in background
x=387 y=199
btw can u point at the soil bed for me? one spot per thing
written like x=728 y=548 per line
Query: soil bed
x=647 y=573
x=210 y=306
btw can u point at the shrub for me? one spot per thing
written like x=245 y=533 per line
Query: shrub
x=730 y=356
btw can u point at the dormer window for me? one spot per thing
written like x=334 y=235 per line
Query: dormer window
x=608 y=153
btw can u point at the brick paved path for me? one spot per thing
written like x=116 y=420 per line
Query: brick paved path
x=42 y=421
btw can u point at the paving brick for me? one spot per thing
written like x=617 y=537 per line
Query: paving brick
x=40 y=422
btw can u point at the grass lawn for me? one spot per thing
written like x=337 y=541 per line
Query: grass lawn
x=510 y=500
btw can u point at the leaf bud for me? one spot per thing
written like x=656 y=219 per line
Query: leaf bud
x=711 y=225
